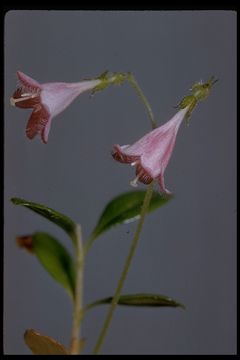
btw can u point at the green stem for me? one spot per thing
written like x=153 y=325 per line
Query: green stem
x=77 y=301
x=138 y=90
x=118 y=79
x=123 y=276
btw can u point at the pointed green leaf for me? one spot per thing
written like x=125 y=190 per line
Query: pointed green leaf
x=56 y=217
x=146 y=300
x=126 y=208
x=55 y=259
x=43 y=345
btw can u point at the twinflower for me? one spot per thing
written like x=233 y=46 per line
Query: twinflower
x=46 y=100
x=150 y=155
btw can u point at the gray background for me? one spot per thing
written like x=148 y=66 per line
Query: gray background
x=188 y=248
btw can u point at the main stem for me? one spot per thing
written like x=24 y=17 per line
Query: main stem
x=116 y=297
x=77 y=301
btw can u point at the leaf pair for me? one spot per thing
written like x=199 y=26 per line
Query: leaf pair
x=58 y=262
x=122 y=209
x=54 y=257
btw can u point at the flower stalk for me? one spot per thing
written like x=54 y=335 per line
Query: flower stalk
x=136 y=237
x=118 y=78
x=139 y=92
x=124 y=273
x=78 y=296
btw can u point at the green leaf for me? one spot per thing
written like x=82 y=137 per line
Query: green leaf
x=55 y=259
x=143 y=300
x=56 y=217
x=126 y=208
x=43 y=345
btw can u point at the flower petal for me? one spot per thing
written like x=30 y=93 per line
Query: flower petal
x=142 y=175
x=27 y=82
x=162 y=185
x=45 y=131
x=119 y=154
x=58 y=96
x=25 y=100
x=37 y=122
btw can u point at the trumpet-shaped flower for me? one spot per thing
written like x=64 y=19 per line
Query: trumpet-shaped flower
x=150 y=155
x=47 y=101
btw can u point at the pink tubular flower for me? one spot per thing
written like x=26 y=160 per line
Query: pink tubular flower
x=152 y=152
x=47 y=101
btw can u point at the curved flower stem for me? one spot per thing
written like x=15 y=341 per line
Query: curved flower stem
x=123 y=276
x=138 y=90
x=77 y=301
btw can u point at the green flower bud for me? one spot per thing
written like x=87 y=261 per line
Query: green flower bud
x=199 y=92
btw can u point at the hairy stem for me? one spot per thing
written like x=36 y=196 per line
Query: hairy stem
x=77 y=301
x=124 y=273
